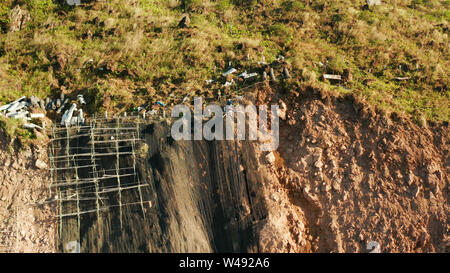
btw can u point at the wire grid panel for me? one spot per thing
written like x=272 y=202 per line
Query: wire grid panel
x=93 y=165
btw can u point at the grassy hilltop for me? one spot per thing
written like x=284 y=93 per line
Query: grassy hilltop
x=124 y=53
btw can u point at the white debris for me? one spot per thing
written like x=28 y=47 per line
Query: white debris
x=229 y=71
x=16 y=106
x=332 y=77
x=373 y=2
x=88 y=62
x=74 y=121
x=18 y=115
x=228 y=83
x=373 y=247
x=272 y=75
x=67 y=117
x=41 y=164
x=37 y=115
x=251 y=75
x=73 y=2
x=209 y=81
x=81 y=99
x=153 y=112
x=243 y=75
x=7 y=106
x=81 y=116
x=32 y=126
x=286 y=73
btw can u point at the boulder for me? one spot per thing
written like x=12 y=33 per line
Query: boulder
x=185 y=21
x=18 y=19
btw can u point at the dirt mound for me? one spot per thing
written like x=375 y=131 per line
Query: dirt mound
x=355 y=175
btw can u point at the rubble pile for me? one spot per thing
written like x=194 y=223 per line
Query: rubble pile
x=33 y=111
x=262 y=70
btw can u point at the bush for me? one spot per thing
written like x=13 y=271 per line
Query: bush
x=294 y=6
x=282 y=33
x=337 y=65
x=192 y=5
x=4 y=15
x=224 y=5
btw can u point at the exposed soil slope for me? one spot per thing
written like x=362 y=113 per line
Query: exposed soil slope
x=344 y=175
x=24 y=178
x=357 y=175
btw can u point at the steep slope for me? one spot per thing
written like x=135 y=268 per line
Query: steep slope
x=344 y=175
x=360 y=175
x=25 y=225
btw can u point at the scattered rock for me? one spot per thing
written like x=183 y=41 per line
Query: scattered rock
x=417 y=191
x=318 y=164
x=18 y=19
x=270 y=158
x=282 y=110
x=336 y=186
x=373 y=2
x=41 y=164
x=185 y=21
x=348 y=75
x=410 y=178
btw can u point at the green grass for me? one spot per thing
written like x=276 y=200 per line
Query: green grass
x=140 y=55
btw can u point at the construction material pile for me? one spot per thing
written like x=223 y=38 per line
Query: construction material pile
x=29 y=110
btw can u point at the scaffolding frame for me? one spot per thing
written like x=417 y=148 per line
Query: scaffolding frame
x=79 y=182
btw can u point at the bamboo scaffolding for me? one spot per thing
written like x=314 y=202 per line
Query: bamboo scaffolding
x=113 y=170
x=93 y=153
x=103 y=139
x=72 y=137
x=99 y=147
x=94 y=169
x=72 y=167
x=69 y=200
x=139 y=182
x=112 y=189
x=118 y=177
x=89 y=180
x=52 y=163
x=112 y=141
x=101 y=209
x=78 y=200
x=123 y=188
x=76 y=159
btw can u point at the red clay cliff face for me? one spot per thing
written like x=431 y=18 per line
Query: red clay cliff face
x=344 y=175
x=353 y=176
